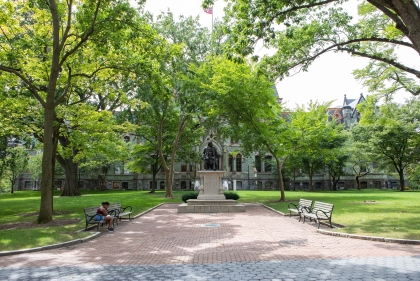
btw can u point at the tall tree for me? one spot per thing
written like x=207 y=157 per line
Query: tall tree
x=244 y=107
x=301 y=31
x=359 y=161
x=336 y=167
x=172 y=102
x=390 y=133
x=316 y=139
x=45 y=48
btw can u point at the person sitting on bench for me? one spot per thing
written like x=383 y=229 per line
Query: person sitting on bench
x=102 y=214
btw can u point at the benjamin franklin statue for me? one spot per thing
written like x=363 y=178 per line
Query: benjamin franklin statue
x=210 y=157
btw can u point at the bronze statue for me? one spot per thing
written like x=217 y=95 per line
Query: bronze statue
x=210 y=157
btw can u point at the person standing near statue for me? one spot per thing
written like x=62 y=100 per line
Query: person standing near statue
x=211 y=157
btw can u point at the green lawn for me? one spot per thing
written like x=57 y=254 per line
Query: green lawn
x=388 y=214
x=391 y=214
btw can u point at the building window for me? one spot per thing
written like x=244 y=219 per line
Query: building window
x=126 y=170
x=162 y=185
x=183 y=166
x=191 y=167
x=183 y=185
x=28 y=185
x=239 y=163
x=258 y=163
x=151 y=184
x=238 y=185
x=117 y=169
x=268 y=164
x=268 y=185
x=116 y=185
x=231 y=163
x=124 y=185
x=126 y=138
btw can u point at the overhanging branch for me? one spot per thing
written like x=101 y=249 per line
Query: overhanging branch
x=29 y=85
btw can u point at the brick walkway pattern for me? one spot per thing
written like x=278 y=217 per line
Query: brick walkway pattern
x=256 y=245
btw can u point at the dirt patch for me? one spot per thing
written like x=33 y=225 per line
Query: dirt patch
x=32 y=224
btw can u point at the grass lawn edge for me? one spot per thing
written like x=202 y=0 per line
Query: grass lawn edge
x=71 y=242
x=355 y=236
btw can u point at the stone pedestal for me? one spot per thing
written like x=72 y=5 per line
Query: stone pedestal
x=211 y=185
x=211 y=198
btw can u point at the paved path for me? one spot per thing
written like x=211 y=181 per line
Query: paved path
x=255 y=245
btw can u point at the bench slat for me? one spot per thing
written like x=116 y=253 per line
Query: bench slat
x=121 y=211
x=320 y=211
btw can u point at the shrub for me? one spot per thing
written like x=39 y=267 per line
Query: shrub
x=189 y=195
x=231 y=195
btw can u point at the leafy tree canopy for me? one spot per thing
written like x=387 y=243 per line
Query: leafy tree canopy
x=301 y=31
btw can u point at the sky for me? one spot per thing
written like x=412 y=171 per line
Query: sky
x=329 y=78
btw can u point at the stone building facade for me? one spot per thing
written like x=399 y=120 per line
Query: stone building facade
x=255 y=172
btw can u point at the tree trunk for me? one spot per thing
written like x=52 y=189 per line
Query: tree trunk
x=357 y=182
x=13 y=183
x=70 y=168
x=72 y=184
x=310 y=174
x=401 y=175
x=46 y=203
x=406 y=17
x=281 y=183
x=335 y=182
x=50 y=140
x=334 y=185
x=169 y=176
x=153 y=181
x=154 y=173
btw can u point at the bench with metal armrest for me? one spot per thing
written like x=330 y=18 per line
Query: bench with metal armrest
x=319 y=211
x=90 y=215
x=303 y=203
x=121 y=211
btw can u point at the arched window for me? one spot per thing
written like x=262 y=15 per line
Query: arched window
x=268 y=164
x=258 y=163
x=231 y=163
x=238 y=162
x=127 y=138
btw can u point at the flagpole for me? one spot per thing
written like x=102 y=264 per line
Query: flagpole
x=212 y=12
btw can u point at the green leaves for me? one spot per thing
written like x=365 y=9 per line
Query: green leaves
x=301 y=31
x=390 y=133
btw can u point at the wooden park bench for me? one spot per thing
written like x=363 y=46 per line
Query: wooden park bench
x=90 y=214
x=320 y=211
x=303 y=203
x=120 y=211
